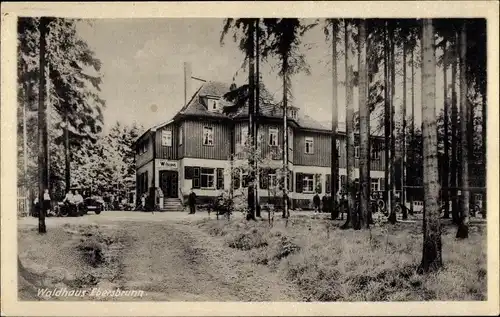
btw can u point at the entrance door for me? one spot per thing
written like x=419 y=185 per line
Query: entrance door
x=168 y=183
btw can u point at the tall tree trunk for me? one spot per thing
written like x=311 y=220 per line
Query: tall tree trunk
x=43 y=146
x=351 y=190
x=392 y=210
x=446 y=170
x=285 y=138
x=412 y=150
x=334 y=163
x=66 y=151
x=463 y=228
x=25 y=134
x=387 y=121
x=364 y=130
x=454 y=138
x=470 y=150
x=432 y=255
x=251 y=121
x=257 y=111
x=403 y=145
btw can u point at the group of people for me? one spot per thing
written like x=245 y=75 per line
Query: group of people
x=326 y=201
x=70 y=200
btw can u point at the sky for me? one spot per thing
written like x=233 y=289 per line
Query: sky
x=143 y=60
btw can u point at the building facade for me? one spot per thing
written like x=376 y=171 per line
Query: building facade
x=194 y=150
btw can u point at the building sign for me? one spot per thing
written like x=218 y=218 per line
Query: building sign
x=167 y=165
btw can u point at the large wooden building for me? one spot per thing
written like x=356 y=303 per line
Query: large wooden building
x=193 y=150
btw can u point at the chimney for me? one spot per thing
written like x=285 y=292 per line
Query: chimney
x=187 y=81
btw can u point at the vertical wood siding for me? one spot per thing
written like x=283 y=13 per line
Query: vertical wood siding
x=141 y=159
x=266 y=149
x=193 y=147
x=167 y=152
x=322 y=149
x=193 y=140
x=180 y=147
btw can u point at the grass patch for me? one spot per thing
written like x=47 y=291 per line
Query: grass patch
x=328 y=264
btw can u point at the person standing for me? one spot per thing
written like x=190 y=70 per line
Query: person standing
x=192 y=202
x=46 y=201
x=143 y=202
x=325 y=200
x=316 y=202
x=36 y=207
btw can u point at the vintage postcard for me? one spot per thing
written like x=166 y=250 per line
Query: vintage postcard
x=244 y=158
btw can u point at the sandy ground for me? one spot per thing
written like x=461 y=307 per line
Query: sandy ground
x=162 y=254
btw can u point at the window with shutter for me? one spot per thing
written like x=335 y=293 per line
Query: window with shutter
x=374 y=186
x=327 y=184
x=298 y=182
x=208 y=178
x=236 y=179
x=188 y=172
x=343 y=183
x=196 y=177
x=244 y=180
x=317 y=183
x=220 y=178
x=308 y=183
x=290 y=181
x=263 y=180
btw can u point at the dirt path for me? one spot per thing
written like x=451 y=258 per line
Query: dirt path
x=168 y=259
x=182 y=263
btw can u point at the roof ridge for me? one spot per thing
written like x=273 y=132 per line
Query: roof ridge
x=192 y=98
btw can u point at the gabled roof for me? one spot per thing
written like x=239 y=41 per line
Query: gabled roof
x=154 y=128
x=268 y=108
x=195 y=106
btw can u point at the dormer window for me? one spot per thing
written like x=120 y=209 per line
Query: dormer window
x=292 y=113
x=213 y=104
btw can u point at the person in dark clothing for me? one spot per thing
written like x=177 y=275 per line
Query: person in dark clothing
x=192 y=202
x=325 y=201
x=316 y=202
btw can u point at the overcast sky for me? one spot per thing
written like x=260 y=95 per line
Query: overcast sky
x=143 y=68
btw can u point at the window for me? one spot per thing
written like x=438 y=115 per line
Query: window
x=208 y=178
x=181 y=134
x=292 y=113
x=273 y=181
x=308 y=183
x=208 y=136
x=166 y=138
x=236 y=178
x=220 y=178
x=213 y=104
x=260 y=136
x=244 y=180
x=309 y=145
x=143 y=147
x=273 y=137
x=244 y=135
x=356 y=151
x=374 y=185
